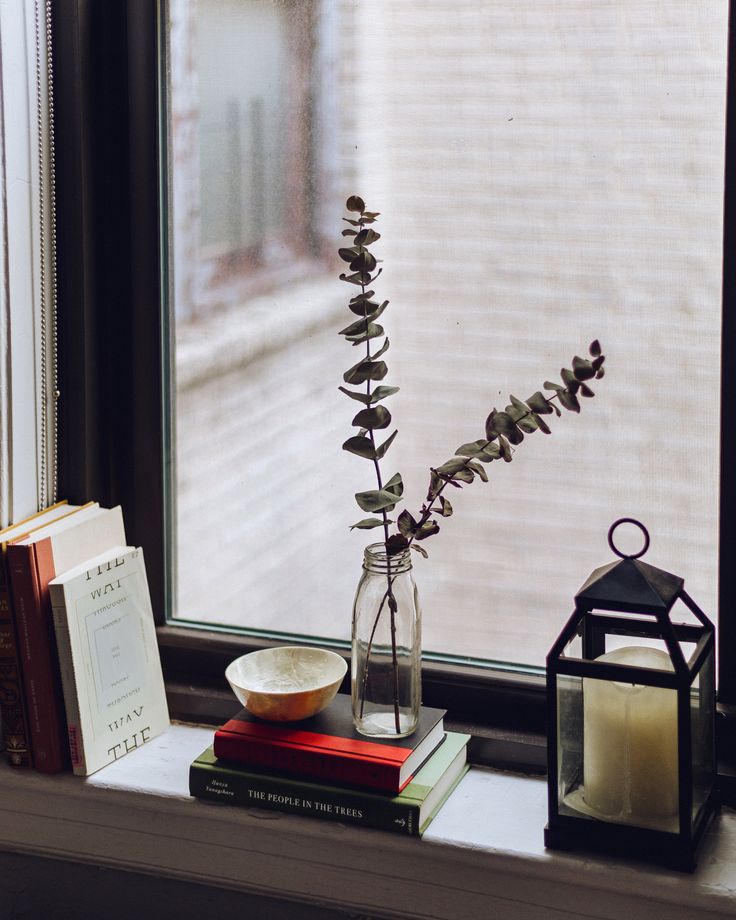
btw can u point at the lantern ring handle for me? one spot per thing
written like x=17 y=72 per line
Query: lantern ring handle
x=642 y=528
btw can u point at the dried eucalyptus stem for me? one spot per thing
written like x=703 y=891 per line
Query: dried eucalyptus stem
x=504 y=429
x=373 y=417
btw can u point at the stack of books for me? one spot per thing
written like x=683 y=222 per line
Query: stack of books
x=80 y=673
x=322 y=767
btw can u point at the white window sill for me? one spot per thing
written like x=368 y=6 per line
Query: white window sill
x=483 y=855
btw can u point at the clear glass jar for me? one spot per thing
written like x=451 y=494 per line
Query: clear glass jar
x=387 y=646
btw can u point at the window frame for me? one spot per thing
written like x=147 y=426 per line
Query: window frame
x=111 y=274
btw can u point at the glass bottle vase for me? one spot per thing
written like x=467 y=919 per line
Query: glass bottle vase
x=387 y=646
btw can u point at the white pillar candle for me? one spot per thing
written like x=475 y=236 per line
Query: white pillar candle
x=630 y=744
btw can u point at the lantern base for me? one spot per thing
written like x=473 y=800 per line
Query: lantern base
x=657 y=847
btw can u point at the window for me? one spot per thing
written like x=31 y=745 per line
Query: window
x=581 y=230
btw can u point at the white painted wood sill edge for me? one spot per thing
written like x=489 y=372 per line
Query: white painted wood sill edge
x=483 y=855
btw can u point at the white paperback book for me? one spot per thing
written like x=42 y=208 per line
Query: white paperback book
x=110 y=667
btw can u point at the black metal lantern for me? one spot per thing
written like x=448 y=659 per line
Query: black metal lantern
x=631 y=717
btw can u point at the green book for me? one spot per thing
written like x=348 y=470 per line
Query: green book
x=409 y=812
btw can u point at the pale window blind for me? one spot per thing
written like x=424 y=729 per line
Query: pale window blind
x=547 y=174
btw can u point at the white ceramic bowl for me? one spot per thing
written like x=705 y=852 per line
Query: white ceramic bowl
x=288 y=683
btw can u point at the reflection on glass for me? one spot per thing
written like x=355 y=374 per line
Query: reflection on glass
x=546 y=175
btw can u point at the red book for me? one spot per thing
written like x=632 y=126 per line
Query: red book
x=328 y=748
x=16 y=735
x=33 y=561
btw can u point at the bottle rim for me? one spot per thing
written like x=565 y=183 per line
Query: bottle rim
x=376 y=559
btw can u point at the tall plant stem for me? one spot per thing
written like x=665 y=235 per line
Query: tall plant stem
x=392 y=605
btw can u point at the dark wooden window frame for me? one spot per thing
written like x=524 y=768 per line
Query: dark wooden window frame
x=110 y=274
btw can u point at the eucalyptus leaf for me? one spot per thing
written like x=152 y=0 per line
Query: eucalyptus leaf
x=365 y=370
x=353 y=223
x=503 y=423
x=515 y=413
x=364 y=308
x=377 y=417
x=478 y=470
x=490 y=452
x=355 y=328
x=377 y=311
x=355 y=203
x=395 y=544
x=381 y=449
x=348 y=232
x=382 y=350
x=357 y=278
x=383 y=393
x=586 y=391
x=451 y=466
x=518 y=404
x=465 y=475
x=366 y=237
x=371 y=215
x=365 y=398
x=428 y=529
x=569 y=401
x=406 y=523
x=528 y=424
x=359 y=298
x=445 y=507
x=537 y=402
x=420 y=549
x=600 y=373
x=542 y=425
x=597 y=363
x=505 y=449
x=474 y=449
x=582 y=368
x=369 y=523
x=595 y=348
x=568 y=378
x=363 y=262
x=368 y=309
x=374 y=331
x=361 y=446
x=347 y=255
x=435 y=484
x=549 y=385
x=395 y=485
x=376 y=500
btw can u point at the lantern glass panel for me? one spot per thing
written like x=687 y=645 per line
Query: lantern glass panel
x=681 y=613
x=702 y=706
x=569 y=743
x=574 y=648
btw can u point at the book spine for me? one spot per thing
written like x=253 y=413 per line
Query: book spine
x=12 y=707
x=29 y=577
x=289 y=795
x=322 y=765
x=69 y=686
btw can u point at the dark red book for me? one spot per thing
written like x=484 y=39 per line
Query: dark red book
x=328 y=748
x=33 y=561
x=16 y=734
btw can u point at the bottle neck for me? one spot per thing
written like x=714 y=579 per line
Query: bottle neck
x=376 y=560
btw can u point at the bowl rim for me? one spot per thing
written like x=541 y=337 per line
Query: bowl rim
x=277 y=648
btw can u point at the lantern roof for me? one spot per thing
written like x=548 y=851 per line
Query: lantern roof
x=632 y=585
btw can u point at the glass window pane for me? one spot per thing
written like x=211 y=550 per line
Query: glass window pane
x=547 y=174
